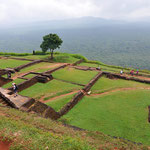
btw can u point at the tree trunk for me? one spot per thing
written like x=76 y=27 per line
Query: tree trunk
x=51 y=51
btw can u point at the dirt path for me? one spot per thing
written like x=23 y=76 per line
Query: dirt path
x=18 y=75
x=116 y=90
x=60 y=96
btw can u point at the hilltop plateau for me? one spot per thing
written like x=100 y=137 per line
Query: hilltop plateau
x=71 y=102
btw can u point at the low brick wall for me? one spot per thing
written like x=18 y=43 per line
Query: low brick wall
x=79 y=96
x=71 y=104
x=126 y=78
x=149 y=114
x=85 y=68
x=17 y=58
x=43 y=110
x=26 y=84
x=27 y=65
x=53 y=70
x=92 y=82
x=77 y=62
x=2 y=72
x=4 y=81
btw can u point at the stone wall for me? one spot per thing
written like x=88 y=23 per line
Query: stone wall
x=79 y=96
x=85 y=68
x=27 y=65
x=42 y=110
x=53 y=70
x=149 y=114
x=2 y=72
x=92 y=82
x=26 y=84
x=78 y=62
x=71 y=104
x=125 y=77
x=4 y=81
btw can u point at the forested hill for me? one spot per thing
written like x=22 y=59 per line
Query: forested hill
x=110 y=41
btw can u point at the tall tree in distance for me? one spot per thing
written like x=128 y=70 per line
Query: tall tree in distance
x=51 y=42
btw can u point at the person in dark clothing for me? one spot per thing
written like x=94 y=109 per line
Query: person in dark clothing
x=9 y=75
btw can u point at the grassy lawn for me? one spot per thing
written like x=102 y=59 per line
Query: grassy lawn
x=61 y=57
x=123 y=114
x=29 y=131
x=48 y=89
x=105 y=84
x=74 y=75
x=60 y=102
x=11 y=63
x=37 y=67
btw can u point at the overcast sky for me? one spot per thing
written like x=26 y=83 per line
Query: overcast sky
x=12 y=11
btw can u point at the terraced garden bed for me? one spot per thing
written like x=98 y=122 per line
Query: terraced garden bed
x=49 y=89
x=58 y=103
x=11 y=63
x=105 y=84
x=74 y=75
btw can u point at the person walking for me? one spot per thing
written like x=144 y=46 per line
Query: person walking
x=15 y=89
x=121 y=72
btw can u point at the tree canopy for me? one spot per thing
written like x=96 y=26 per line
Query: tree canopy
x=51 y=42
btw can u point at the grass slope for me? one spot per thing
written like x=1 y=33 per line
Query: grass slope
x=48 y=89
x=74 y=75
x=31 y=132
x=105 y=84
x=11 y=63
x=58 y=103
x=122 y=114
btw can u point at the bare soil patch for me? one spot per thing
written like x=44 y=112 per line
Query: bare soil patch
x=4 y=145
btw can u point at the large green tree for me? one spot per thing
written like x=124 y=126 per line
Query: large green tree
x=51 y=42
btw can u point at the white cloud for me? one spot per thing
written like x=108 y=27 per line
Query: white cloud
x=33 y=10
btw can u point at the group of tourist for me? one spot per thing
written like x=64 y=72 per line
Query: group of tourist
x=131 y=72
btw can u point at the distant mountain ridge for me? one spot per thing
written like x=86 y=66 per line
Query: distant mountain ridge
x=110 y=41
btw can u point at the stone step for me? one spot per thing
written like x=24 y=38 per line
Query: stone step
x=3 y=102
x=14 y=101
x=27 y=104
